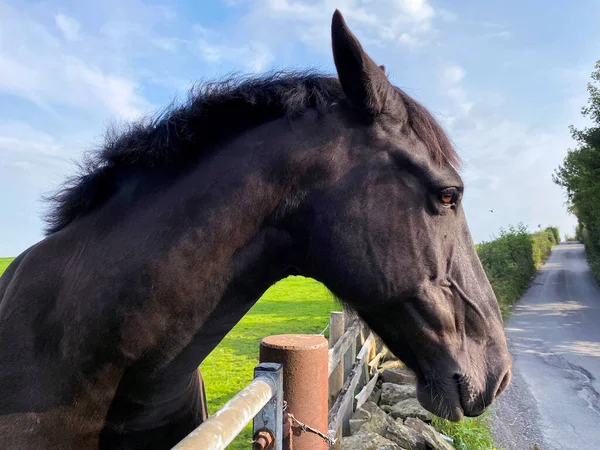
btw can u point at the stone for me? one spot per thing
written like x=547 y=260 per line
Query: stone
x=404 y=436
x=393 y=393
x=410 y=408
x=361 y=413
x=391 y=364
x=375 y=395
x=371 y=408
x=369 y=441
x=433 y=439
x=378 y=422
x=355 y=425
x=398 y=375
x=375 y=420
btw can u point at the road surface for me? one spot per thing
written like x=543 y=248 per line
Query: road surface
x=554 y=338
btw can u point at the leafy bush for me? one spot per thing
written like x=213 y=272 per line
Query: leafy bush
x=590 y=236
x=510 y=260
x=579 y=232
x=555 y=233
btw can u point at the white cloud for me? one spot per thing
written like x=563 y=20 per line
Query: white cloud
x=254 y=56
x=52 y=73
x=451 y=78
x=452 y=74
x=406 y=23
x=32 y=164
x=167 y=44
x=136 y=24
x=446 y=15
x=508 y=163
x=419 y=10
x=117 y=94
x=68 y=26
x=20 y=138
x=45 y=158
x=499 y=35
x=261 y=57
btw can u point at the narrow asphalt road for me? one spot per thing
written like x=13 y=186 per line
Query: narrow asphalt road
x=554 y=338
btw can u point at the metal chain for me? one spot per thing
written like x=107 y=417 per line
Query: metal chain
x=306 y=428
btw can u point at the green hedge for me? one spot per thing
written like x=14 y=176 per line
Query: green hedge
x=590 y=236
x=555 y=233
x=511 y=260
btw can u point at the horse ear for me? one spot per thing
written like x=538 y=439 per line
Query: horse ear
x=363 y=81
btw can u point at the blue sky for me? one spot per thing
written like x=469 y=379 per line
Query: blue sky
x=505 y=79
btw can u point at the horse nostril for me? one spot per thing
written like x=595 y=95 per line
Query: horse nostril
x=503 y=384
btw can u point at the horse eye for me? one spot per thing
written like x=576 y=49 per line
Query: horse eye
x=448 y=196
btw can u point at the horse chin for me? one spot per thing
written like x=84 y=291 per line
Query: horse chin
x=444 y=403
x=439 y=397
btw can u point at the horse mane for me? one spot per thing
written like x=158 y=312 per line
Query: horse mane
x=177 y=138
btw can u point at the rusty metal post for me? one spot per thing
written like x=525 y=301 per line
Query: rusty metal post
x=305 y=380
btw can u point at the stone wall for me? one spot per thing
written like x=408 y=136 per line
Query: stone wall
x=392 y=418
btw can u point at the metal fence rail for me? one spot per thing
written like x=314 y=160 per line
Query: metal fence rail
x=261 y=399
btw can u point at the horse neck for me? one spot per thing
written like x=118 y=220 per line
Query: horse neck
x=215 y=269
x=210 y=277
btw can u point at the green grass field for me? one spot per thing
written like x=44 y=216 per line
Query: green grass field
x=4 y=262
x=294 y=305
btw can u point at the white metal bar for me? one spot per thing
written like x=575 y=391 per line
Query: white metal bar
x=222 y=427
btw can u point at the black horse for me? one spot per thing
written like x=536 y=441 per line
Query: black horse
x=177 y=226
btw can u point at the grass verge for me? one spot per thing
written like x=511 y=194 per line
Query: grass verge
x=469 y=433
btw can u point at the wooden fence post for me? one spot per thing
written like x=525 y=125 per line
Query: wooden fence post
x=336 y=379
x=336 y=331
x=349 y=358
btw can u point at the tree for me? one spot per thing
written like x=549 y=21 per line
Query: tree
x=580 y=175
